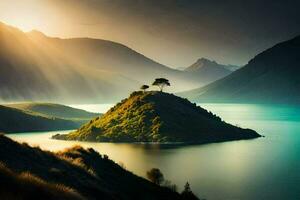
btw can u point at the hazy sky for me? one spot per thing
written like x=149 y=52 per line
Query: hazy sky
x=173 y=32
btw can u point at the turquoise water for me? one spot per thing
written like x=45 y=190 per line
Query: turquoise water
x=264 y=168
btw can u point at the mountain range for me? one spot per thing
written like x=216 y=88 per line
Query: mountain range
x=36 y=67
x=272 y=76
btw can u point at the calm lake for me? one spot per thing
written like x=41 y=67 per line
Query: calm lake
x=264 y=168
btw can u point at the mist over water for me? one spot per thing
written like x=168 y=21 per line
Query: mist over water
x=264 y=168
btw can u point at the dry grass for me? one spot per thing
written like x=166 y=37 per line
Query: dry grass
x=27 y=186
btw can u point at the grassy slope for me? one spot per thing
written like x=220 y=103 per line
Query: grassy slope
x=25 y=117
x=158 y=117
x=87 y=172
x=13 y=120
x=56 y=110
x=27 y=186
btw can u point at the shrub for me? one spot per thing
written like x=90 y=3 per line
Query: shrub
x=155 y=176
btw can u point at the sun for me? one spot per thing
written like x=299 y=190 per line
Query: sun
x=25 y=15
x=24 y=23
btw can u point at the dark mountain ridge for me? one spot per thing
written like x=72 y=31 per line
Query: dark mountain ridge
x=270 y=77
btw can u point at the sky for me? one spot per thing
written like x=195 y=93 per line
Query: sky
x=173 y=32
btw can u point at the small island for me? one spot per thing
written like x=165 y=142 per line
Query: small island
x=158 y=117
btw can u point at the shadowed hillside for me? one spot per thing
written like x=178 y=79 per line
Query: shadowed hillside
x=55 y=110
x=15 y=186
x=270 y=77
x=158 y=117
x=71 y=172
x=14 y=120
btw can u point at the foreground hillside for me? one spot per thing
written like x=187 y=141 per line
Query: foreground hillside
x=75 y=173
x=158 y=117
x=270 y=77
x=26 y=186
x=27 y=117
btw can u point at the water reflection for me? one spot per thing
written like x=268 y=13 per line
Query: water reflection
x=264 y=168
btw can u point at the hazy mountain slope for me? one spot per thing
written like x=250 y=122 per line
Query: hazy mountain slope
x=92 y=175
x=32 y=68
x=158 y=117
x=232 y=67
x=55 y=110
x=270 y=77
x=40 y=68
x=207 y=70
x=13 y=120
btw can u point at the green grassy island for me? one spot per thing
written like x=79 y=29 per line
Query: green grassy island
x=158 y=117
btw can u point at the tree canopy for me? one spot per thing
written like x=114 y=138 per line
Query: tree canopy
x=188 y=194
x=155 y=176
x=161 y=83
x=144 y=87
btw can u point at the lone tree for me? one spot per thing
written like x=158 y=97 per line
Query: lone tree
x=188 y=194
x=187 y=188
x=144 y=87
x=155 y=176
x=161 y=83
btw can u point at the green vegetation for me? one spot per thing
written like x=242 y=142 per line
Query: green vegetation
x=158 y=117
x=74 y=172
x=14 y=120
x=30 y=117
x=56 y=110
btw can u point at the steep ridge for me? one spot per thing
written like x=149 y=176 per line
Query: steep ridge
x=270 y=77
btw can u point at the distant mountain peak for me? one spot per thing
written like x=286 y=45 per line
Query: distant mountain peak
x=205 y=60
x=207 y=64
x=270 y=77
